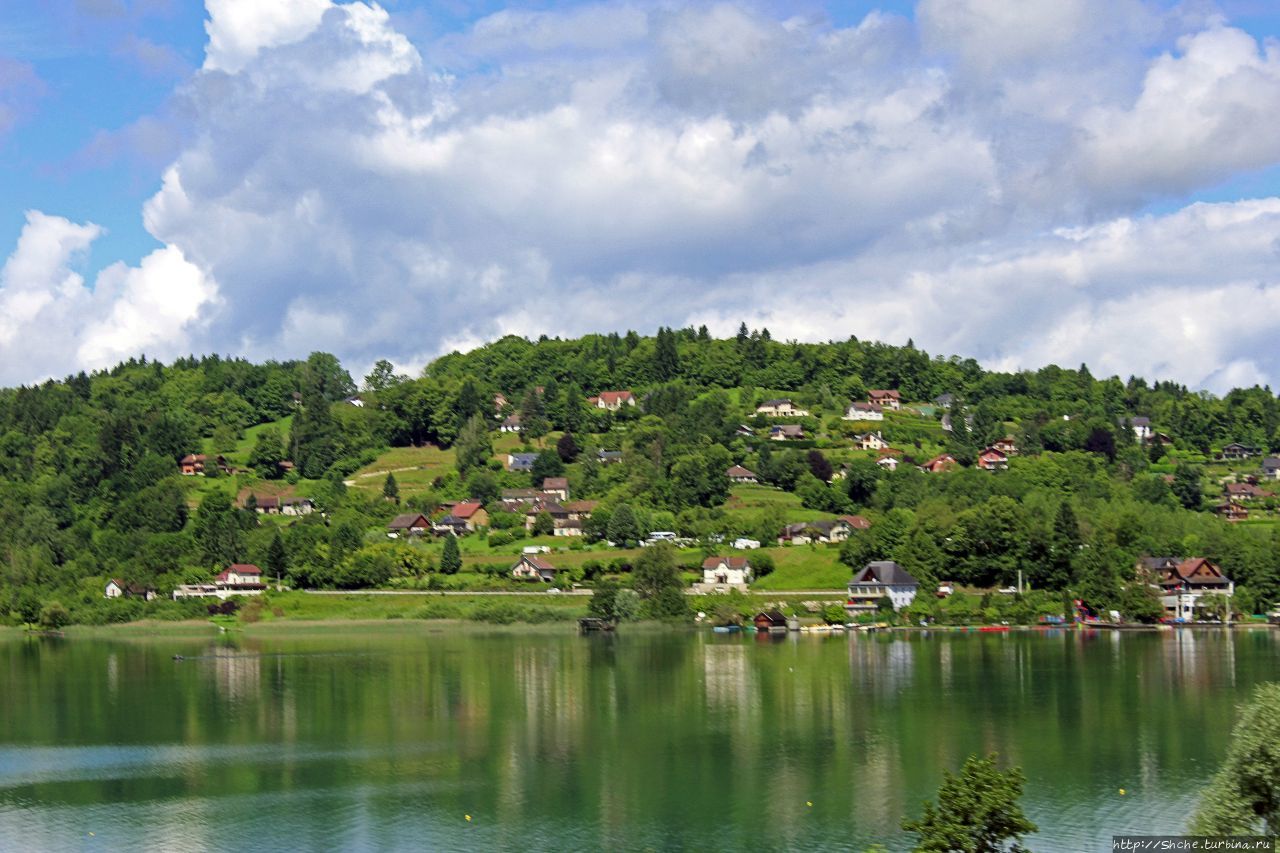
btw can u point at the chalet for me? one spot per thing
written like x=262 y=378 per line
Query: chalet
x=414 y=523
x=938 y=464
x=283 y=506
x=726 y=571
x=556 y=486
x=785 y=432
x=770 y=622
x=521 y=461
x=609 y=457
x=1246 y=492
x=744 y=431
x=863 y=412
x=580 y=510
x=877 y=580
x=1141 y=428
x=195 y=463
x=1231 y=510
x=119 y=589
x=991 y=459
x=1271 y=467
x=885 y=399
x=871 y=441
x=738 y=474
x=780 y=409
x=888 y=463
x=944 y=401
x=511 y=423
x=472 y=514
x=1006 y=446
x=533 y=568
x=612 y=400
x=1183 y=583
x=1236 y=451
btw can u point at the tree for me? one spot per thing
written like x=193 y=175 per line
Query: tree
x=543 y=524
x=382 y=377
x=1186 y=486
x=533 y=415
x=315 y=433
x=450 y=559
x=217 y=531
x=860 y=481
x=603 y=599
x=267 y=452
x=1243 y=798
x=277 y=561
x=761 y=565
x=473 y=447
x=656 y=579
x=1096 y=577
x=54 y=616
x=666 y=356
x=977 y=811
x=623 y=527
x=820 y=466
x=1102 y=441
x=390 y=490
x=547 y=464
x=567 y=448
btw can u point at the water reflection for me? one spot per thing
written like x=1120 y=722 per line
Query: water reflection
x=640 y=740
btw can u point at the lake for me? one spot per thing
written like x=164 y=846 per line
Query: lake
x=383 y=739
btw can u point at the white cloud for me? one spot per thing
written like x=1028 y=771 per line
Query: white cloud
x=974 y=180
x=52 y=324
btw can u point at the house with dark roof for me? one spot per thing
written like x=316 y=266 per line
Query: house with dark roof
x=770 y=622
x=531 y=567
x=413 y=523
x=1231 y=510
x=117 y=588
x=511 y=423
x=863 y=412
x=877 y=580
x=1246 y=492
x=194 y=464
x=557 y=486
x=785 y=432
x=1235 y=451
x=944 y=401
x=1271 y=467
x=609 y=457
x=521 y=461
x=1141 y=427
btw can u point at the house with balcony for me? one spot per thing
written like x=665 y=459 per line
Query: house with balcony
x=877 y=580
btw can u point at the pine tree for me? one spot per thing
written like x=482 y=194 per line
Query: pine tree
x=277 y=558
x=666 y=356
x=390 y=489
x=450 y=559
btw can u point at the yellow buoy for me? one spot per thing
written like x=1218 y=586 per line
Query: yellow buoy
x=1122 y=792
x=468 y=818
x=809 y=803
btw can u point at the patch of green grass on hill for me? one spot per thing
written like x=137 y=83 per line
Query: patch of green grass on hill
x=805 y=567
x=414 y=467
x=753 y=499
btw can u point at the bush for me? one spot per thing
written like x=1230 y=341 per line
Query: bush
x=54 y=616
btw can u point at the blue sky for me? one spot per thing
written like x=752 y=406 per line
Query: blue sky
x=568 y=167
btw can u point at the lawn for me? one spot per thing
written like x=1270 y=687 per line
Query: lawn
x=752 y=500
x=355 y=605
x=805 y=567
x=415 y=469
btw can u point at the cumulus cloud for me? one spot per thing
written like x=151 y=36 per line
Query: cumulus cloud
x=51 y=323
x=973 y=179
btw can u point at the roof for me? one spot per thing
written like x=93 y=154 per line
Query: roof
x=857 y=522
x=788 y=429
x=408 y=520
x=774 y=617
x=944 y=399
x=883 y=392
x=581 y=506
x=885 y=572
x=1271 y=462
x=466 y=509
x=739 y=471
x=616 y=396
x=537 y=563
x=940 y=461
x=549 y=483
x=774 y=403
x=1140 y=421
x=866 y=407
x=731 y=562
x=991 y=451
x=244 y=569
x=193 y=457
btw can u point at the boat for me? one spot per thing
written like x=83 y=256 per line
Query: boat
x=726 y=629
x=993 y=629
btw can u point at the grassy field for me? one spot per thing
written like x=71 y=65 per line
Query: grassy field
x=752 y=500
x=805 y=567
x=415 y=468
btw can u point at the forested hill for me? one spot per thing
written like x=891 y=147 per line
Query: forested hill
x=91 y=489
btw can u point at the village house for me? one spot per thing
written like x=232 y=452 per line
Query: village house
x=414 y=523
x=770 y=622
x=612 y=400
x=863 y=412
x=742 y=543
x=117 y=588
x=780 y=409
x=871 y=441
x=1246 y=492
x=580 y=510
x=1231 y=510
x=267 y=505
x=938 y=464
x=450 y=524
x=194 y=464
x=991 y=459
x=511 y=423
x=785 y=432
x=609 y=457
x=521 y=461
x=877 y=580
x=823 y=531
x=1006 y=446
x=738 y=474
x=888 y=463
x=520 y=494
x=944 y=401
x=885 y=399
x=557 y=487
x=1141 y=428
x=1271 y=467
x=1235 y=451
x=1184 y=583
x=472 y=514
x=533 y=568
x=726 y=571
x=237 y=579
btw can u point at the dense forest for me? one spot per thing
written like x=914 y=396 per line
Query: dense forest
x=91 y=489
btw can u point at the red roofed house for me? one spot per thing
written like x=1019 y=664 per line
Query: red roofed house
x=991 y=459
x=532 y=568
x=1246 y=492
x=194 y=463
x=726 y=571
x=612 y=400
x=1006 y=446
x=472 y=513
x=885 y=399
x=938 y=464
x=242 y=578
x=1184 y=582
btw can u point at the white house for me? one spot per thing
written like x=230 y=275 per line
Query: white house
x=877 y=580
x=533 y=568
x=871 y=441
x=115 y=589
x=236 y=579
x=1141 y=428
x=744 y=544
x=780 y=409
x=612 y=400
x=864 y=412
x=888 y=463
x=726 y=571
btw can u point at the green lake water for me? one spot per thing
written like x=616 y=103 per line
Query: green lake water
x=386 y=740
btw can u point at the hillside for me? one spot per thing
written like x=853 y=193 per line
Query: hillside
x=1093 y=472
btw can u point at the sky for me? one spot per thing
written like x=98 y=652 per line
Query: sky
x=1047 y=181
